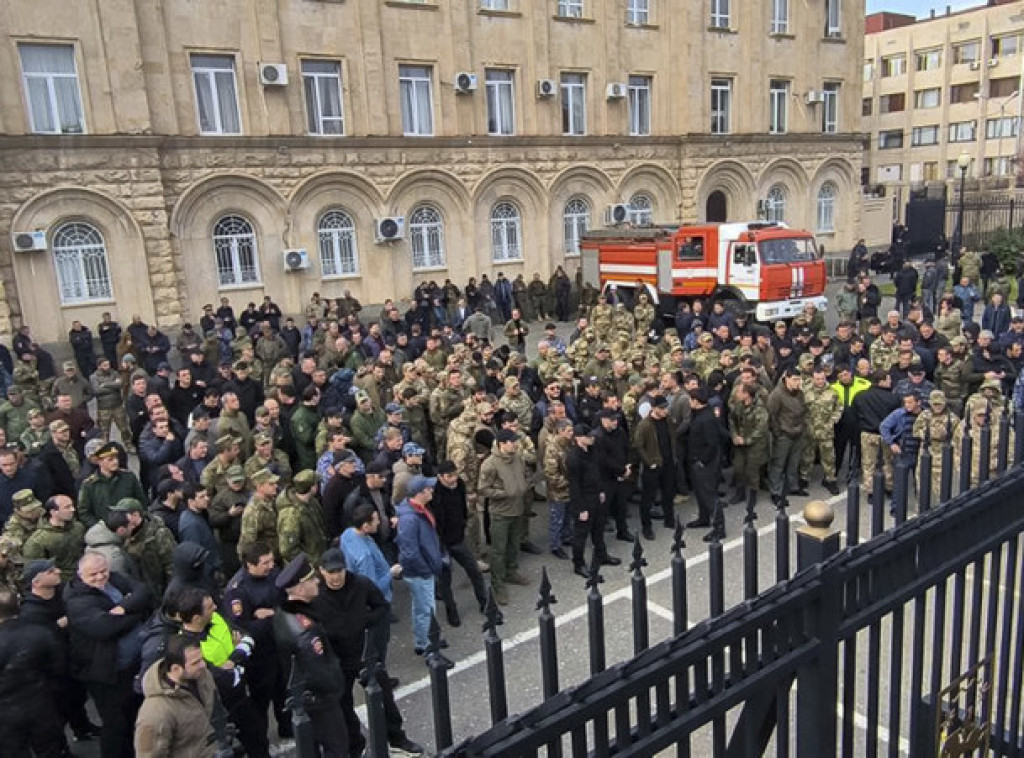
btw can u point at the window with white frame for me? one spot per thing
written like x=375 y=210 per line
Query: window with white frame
x=869 y=71
x=80 y=258
x=928 y=60
x=997 y=166
x=826 y=207
x=720 y=14
x=997 y=128
x=426 y=235
x=778 y=106
x=417 y=107
x=638 y=12
x=639 y=88
x=495 y=5
x=574 y=104
x=721 y=106
x=500 y=85
x=641 y=210
x=1005 y=45
x=575 y=222
x=962 y=131
x=928 y=98
x=321 y=81
x=234 y=243
x=50 y=78
x=570 y=8
x=894 y=65
x=925 y=135
x=216 y=94
x=833 y=18
x=780 y=17
x=775 y=204
x=967 y=52
x=830 y=108
x=506 y=233
x=339 y=255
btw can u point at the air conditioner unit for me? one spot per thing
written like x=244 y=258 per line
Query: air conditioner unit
x=814 y=96
x=616 y=91
x=296 y=260
x=993 y=62
x=273 y=74
x=975 y=65
x=616 y=214
x=389 y=229
x=29 y=242
x=465 y=82
x=547 y=88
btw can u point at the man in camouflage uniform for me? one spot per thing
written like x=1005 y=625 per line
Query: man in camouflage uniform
x=823 y=413
x=300 y=519
x=951 y=374
x=26 y=379
x=538 y=292
x=11 y=564
x=750 y=432
x=462 y=452
x=447 y=403
x=600 y=365
x=885 y=351
x=259 y=520
x=556 y=478
x=644 y=313
x=937 y=424
x=60 y=537
x=516 y=402
x=232 y=421
x=150 y=544
x=579 y=352
x=213 y=476
x=973 y=426
x=602 y=317
x=266 y=456
x=705 y=357
x=25 y=518
x=107 y=384
x=989 y=397
x=622 y=320
x=14 y=412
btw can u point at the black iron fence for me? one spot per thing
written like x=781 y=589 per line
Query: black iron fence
x=982 y=216
x=908 y=642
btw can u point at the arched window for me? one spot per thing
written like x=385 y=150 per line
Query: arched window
x=80 y=257
x=641 y=210
x=827 y=207
x=506 y=233
x=576 y=218
x=234 y=242
x=775 y=204
x=426 y=230
x=338 y=253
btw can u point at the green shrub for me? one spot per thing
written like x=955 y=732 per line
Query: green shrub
x=1007 y=244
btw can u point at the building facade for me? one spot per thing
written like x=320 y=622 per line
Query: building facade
x=167 y=154
x=942 y=87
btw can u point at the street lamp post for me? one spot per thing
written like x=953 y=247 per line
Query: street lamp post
x=963 y=163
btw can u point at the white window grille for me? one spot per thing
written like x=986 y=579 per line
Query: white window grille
x=638 y=12
x=778 y=110
x=50 y=79
x=780 y=16
x=775 y=204
x=574 y=104
x=570 y=8
x=833 y=18
x=641 y=210
x=426 y=233
x=576 y=221
x=216 y=94
x=501 y=118
x=830 y=108
x=339 y=255
x=417 y=107
x=80 y=258
x=234 y=243
x=639 y=88
x=506 y=233
x=827 y=207
x=721 y=106
x=720 y=14
x=321 y=81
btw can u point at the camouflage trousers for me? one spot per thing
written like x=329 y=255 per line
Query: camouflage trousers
x=106 y=419
x=825 y=449
x=476 y=537
x=869 y=447
x=747 y=462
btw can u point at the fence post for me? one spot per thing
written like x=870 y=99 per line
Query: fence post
x=495 y=660
x=966 y=455
x=817 y=688
x=679 y=605
x=377 y=745
x=781 y=541
x=985 y=449
x=595 y=617
x=548 y=649
x=1018 y=437
x=750 y=547
x=638 y=582
x=924 y=479
x=1003 y=448
x=946 y=464
x=302 y=727
x=900 y=490
x=439 y=667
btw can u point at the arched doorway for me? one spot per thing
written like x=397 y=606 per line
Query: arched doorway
x=715 y=209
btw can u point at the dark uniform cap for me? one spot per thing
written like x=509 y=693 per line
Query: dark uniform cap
x=582 y=430
x=377 y=467
x=333 y=560
x=25 y=499
x=304 y=481
x=506 y=435
x=128 y=505
x=659 y=402
x=344 y=456
x=297 y=571
x=393 y=408
x=240 y=366
x=35 y=568
x=607 y=413
x=700 y=395
x=108 y=450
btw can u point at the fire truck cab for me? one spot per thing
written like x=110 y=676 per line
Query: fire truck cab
x=761 y=267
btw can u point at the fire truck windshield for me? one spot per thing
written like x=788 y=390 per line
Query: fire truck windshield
x=793 y=250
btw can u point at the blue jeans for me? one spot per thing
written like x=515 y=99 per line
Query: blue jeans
x=558 y=530
x=422 y=591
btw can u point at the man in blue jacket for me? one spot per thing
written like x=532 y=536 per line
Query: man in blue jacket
x=419 y=553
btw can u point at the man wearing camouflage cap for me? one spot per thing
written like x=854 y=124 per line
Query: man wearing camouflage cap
x=935 y=426
x=267 y=456
x=25 y=519
x=213 y=476
x=259 y=520
x=300 y=518
x=14 y=412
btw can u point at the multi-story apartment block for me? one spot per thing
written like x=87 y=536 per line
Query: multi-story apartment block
x=158 y=156
x=939 y=88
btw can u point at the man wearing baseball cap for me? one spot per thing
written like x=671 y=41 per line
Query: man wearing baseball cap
x=419 y=553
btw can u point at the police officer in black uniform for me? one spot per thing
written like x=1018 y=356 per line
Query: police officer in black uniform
x=314 y=671
x=250 y=602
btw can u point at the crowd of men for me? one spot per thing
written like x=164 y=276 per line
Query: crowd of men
x=288 y=477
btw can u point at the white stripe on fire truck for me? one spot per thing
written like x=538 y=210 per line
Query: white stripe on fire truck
x=693 y=273
x=626 y=268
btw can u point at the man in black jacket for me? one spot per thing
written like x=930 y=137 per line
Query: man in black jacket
x=27 y=660
x=703 y=459
x=450 y=513
x=306 y=653
x=586 y=502
x=347 y=606
x=611 y=449
x=105 y=616
x=871 y=407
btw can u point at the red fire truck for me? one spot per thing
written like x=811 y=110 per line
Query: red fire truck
x=761 y=267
